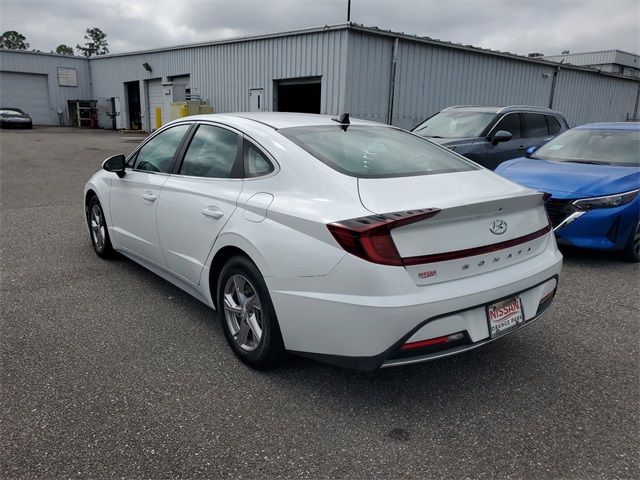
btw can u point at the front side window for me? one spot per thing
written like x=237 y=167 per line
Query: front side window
x=554 y=125
x=454 y=124
x=157 y=154
x=375 y=152
x=534 y=125
x=212 y=153
x=599 y=146
x=510 y=123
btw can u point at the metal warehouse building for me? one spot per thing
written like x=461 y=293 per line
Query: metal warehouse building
x=613 y=61
x=375 y=74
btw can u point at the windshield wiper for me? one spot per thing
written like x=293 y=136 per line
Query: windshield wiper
x=589 y=162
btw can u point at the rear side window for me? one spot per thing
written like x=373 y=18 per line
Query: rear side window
x=510 y=123
x=157 y=154
x=375 y=152
x=213 y=153
x=553 y=124
x=534 y=125
x=255 y=163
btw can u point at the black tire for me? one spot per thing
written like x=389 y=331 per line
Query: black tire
x=269 y=348
x=99 y=238
x=631 y=251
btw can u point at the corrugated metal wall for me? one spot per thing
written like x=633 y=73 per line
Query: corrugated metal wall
x=430 y=77
x=355 y=66
x=368 y=76
x=45 y=64
x=224 y=73
x=586 y=97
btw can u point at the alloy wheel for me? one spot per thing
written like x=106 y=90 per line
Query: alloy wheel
x=636 y=240
x=98 y=233
x=243 y=312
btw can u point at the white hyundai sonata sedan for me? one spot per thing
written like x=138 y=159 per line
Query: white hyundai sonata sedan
x=347 y=241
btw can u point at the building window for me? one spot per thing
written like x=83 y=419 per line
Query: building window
x=67 y=77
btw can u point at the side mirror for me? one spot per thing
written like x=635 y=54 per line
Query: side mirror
x=530 y=151
x=500 y=136
x=115 y=164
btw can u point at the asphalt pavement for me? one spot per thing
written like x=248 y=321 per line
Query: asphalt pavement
x=106 y=370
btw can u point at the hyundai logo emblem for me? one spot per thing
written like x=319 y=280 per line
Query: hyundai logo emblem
x=498 y=227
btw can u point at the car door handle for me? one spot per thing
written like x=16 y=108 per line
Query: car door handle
x=212 y=212
x=149 y=196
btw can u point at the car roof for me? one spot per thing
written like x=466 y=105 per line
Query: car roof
x=505 y=109
x=278 y=120
x=473 y=108
x=610 y=126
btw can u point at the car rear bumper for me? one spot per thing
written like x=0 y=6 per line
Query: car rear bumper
x=383 y=309
x=548 y=288
x=16 y=124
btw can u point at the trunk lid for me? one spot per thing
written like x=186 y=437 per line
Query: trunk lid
x=485 y=222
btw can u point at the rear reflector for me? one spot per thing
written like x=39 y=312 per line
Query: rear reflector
x=432 y=341
x=548 y=297
x=370 y=237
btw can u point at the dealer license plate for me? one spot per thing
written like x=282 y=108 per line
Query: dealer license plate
x=504 y=316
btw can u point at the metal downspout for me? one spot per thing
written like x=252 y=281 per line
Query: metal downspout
x=90 y=79
x=553 y=86
x=635 y=109
x=392 y=81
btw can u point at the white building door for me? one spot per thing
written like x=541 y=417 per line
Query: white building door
x=155 y=99
x=117 y=111
x=256 y=100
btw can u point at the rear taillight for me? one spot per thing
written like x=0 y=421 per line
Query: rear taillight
x=370 y=237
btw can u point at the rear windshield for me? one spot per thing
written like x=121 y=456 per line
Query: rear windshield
x=455 y=124
x=375 y=152
x=606 y=147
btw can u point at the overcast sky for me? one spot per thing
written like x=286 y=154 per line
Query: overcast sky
x=518 y=26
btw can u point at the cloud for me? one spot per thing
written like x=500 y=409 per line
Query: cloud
x=516 y=26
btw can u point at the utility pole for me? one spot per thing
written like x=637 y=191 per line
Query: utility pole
x=348 y=11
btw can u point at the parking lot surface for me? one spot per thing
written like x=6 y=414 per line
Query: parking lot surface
x=109 y=371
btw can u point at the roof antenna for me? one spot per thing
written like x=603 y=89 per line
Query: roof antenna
x=343 y=120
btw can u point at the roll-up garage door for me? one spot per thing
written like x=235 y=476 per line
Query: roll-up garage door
x=155 y=99
x=28 y=92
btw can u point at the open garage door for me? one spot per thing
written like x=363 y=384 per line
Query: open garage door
x=299 y=95
x=28 y=92
x=155 y=99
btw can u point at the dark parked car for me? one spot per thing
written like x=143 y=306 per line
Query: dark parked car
x=14 y=118
x=492 y=135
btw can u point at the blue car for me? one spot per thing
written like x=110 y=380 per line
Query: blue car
x=592 y=174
